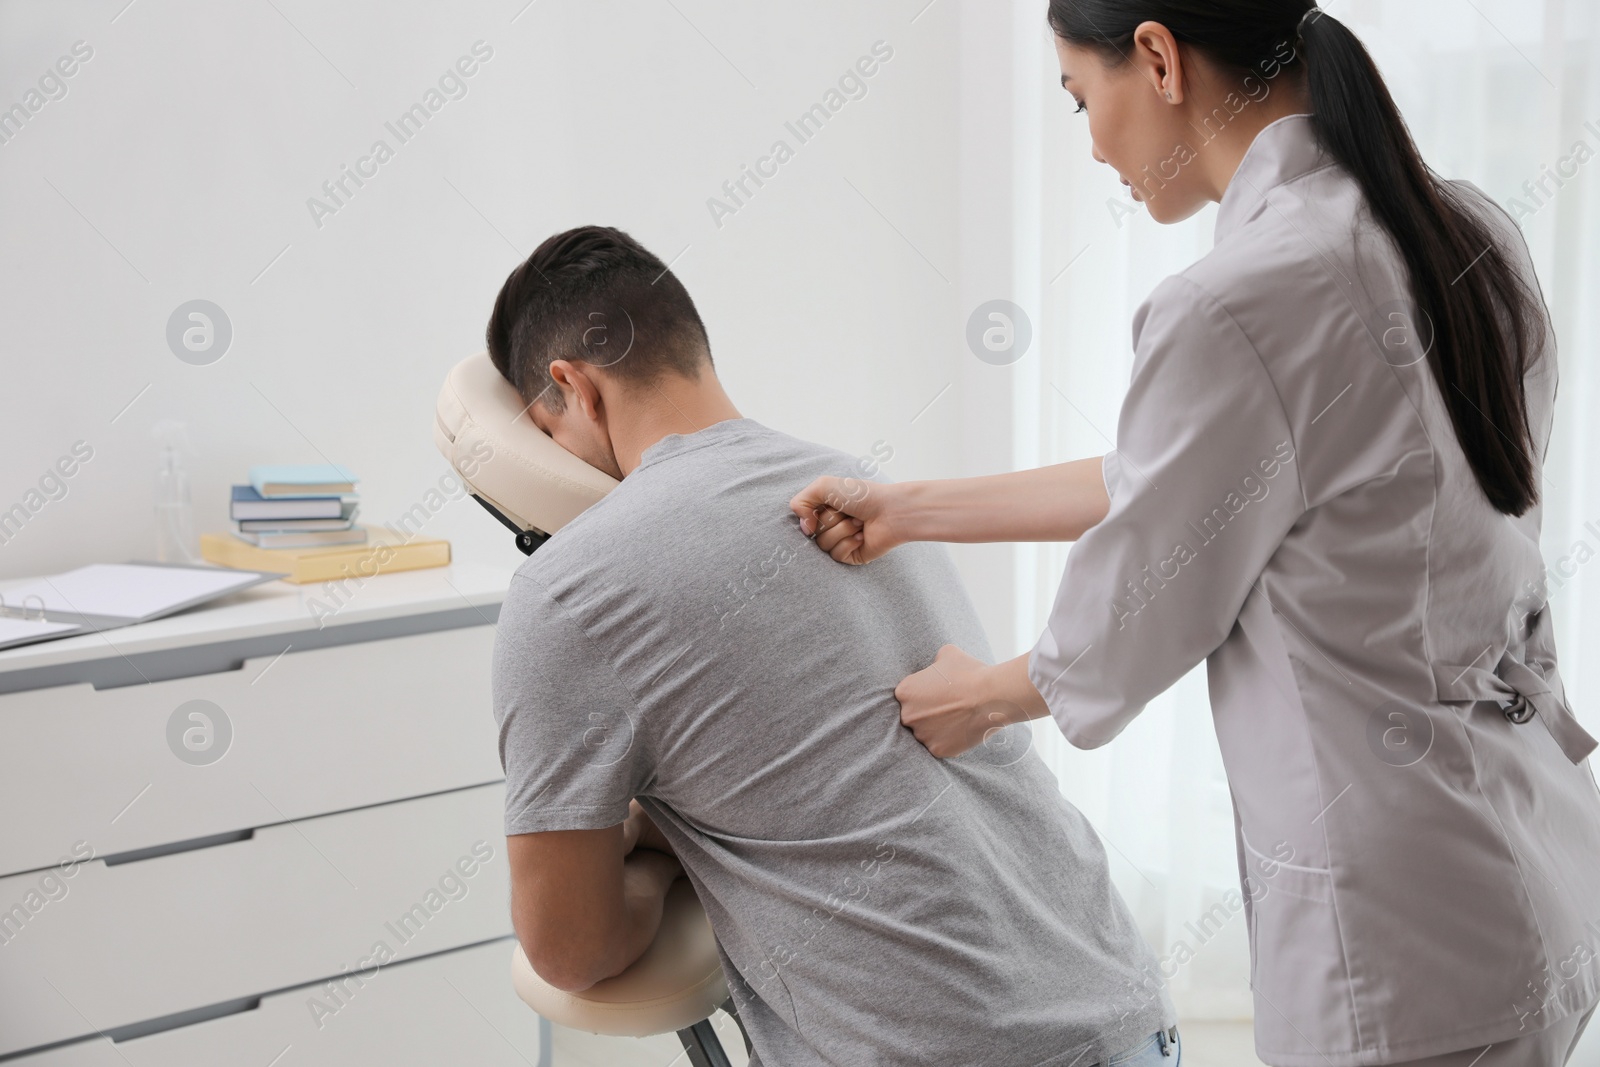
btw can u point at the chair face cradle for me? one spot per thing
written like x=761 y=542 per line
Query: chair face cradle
x=534 y=487
x=524 y=479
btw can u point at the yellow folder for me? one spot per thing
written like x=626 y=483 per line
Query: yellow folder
x=383 y=553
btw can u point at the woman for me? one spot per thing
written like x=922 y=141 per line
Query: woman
x=1326 y=485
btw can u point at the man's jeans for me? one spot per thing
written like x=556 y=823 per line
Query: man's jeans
x=1158 y=1050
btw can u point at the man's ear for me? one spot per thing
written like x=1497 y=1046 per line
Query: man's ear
x=577 y=385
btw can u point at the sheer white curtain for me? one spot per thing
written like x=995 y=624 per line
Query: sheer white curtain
x=1505 y=93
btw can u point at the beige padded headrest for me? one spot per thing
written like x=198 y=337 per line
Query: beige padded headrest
x=675 y=984
x=481 y=425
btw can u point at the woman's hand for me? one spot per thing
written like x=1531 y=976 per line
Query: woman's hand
x=849 y=518
x=955 y=704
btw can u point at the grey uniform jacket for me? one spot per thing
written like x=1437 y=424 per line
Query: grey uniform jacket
x=1289 y=502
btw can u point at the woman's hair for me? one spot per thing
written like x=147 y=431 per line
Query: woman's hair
x=1487 y=324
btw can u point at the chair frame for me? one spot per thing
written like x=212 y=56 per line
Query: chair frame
x=705 y=1049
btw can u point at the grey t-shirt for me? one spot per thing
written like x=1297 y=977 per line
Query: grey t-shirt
x=683 y=642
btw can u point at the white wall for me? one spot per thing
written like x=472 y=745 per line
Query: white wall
x=179 y=164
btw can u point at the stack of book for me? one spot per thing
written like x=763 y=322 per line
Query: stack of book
x=300 y=522
x=297 y=507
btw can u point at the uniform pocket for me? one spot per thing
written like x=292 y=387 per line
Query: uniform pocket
x=1302 y=992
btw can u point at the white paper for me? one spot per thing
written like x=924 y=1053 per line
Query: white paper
x=125 y=590
x=20 y=629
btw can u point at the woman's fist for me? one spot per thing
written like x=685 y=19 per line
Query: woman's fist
x=954 y=705
x=848 y=518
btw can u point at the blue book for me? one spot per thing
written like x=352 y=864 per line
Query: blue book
x=302 y=480
x=249 y=504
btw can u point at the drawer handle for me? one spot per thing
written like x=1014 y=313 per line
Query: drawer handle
x=192 y=666
x=181 y=1019
x=172 y=848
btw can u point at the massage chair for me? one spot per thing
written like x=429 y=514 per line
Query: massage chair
x=534 y=487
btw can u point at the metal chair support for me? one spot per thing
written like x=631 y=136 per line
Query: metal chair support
x=700 y=1041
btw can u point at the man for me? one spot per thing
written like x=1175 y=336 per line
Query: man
x=682 y=644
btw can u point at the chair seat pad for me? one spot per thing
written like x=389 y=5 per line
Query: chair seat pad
x=675 y=984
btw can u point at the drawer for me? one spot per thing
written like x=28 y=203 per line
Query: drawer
x=312 y=732
x=454 y=1008
x=457 y=1007
x=296 y=903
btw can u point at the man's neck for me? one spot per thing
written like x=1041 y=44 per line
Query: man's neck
x=671 y=405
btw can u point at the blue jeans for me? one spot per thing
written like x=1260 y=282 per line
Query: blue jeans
x=1163 y=1049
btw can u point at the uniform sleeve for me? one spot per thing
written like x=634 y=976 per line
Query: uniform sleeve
x=1204 y=487
x=568 y=739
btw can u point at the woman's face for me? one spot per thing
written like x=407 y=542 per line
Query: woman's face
x=1134 y=128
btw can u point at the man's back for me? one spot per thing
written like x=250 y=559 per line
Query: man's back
x=684 y=643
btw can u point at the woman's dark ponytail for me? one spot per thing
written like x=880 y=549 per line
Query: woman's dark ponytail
x=1486 y=324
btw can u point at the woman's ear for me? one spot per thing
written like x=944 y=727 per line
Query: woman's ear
x=1156 y=56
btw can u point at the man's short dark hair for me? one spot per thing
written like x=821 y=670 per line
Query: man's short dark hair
x=594 y=295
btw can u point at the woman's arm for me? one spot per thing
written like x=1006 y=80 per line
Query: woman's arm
x=857 y=521
x=1056 y=503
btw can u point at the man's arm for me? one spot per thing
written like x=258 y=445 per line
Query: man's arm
x=641 y=832
x=583 y=910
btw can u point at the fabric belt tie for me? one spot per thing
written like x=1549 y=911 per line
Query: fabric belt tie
x=1527 y=685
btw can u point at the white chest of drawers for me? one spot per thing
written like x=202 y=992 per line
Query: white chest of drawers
x=239 y=836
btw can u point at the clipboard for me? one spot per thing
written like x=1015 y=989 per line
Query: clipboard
x=18 y=626
x=108 y=596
